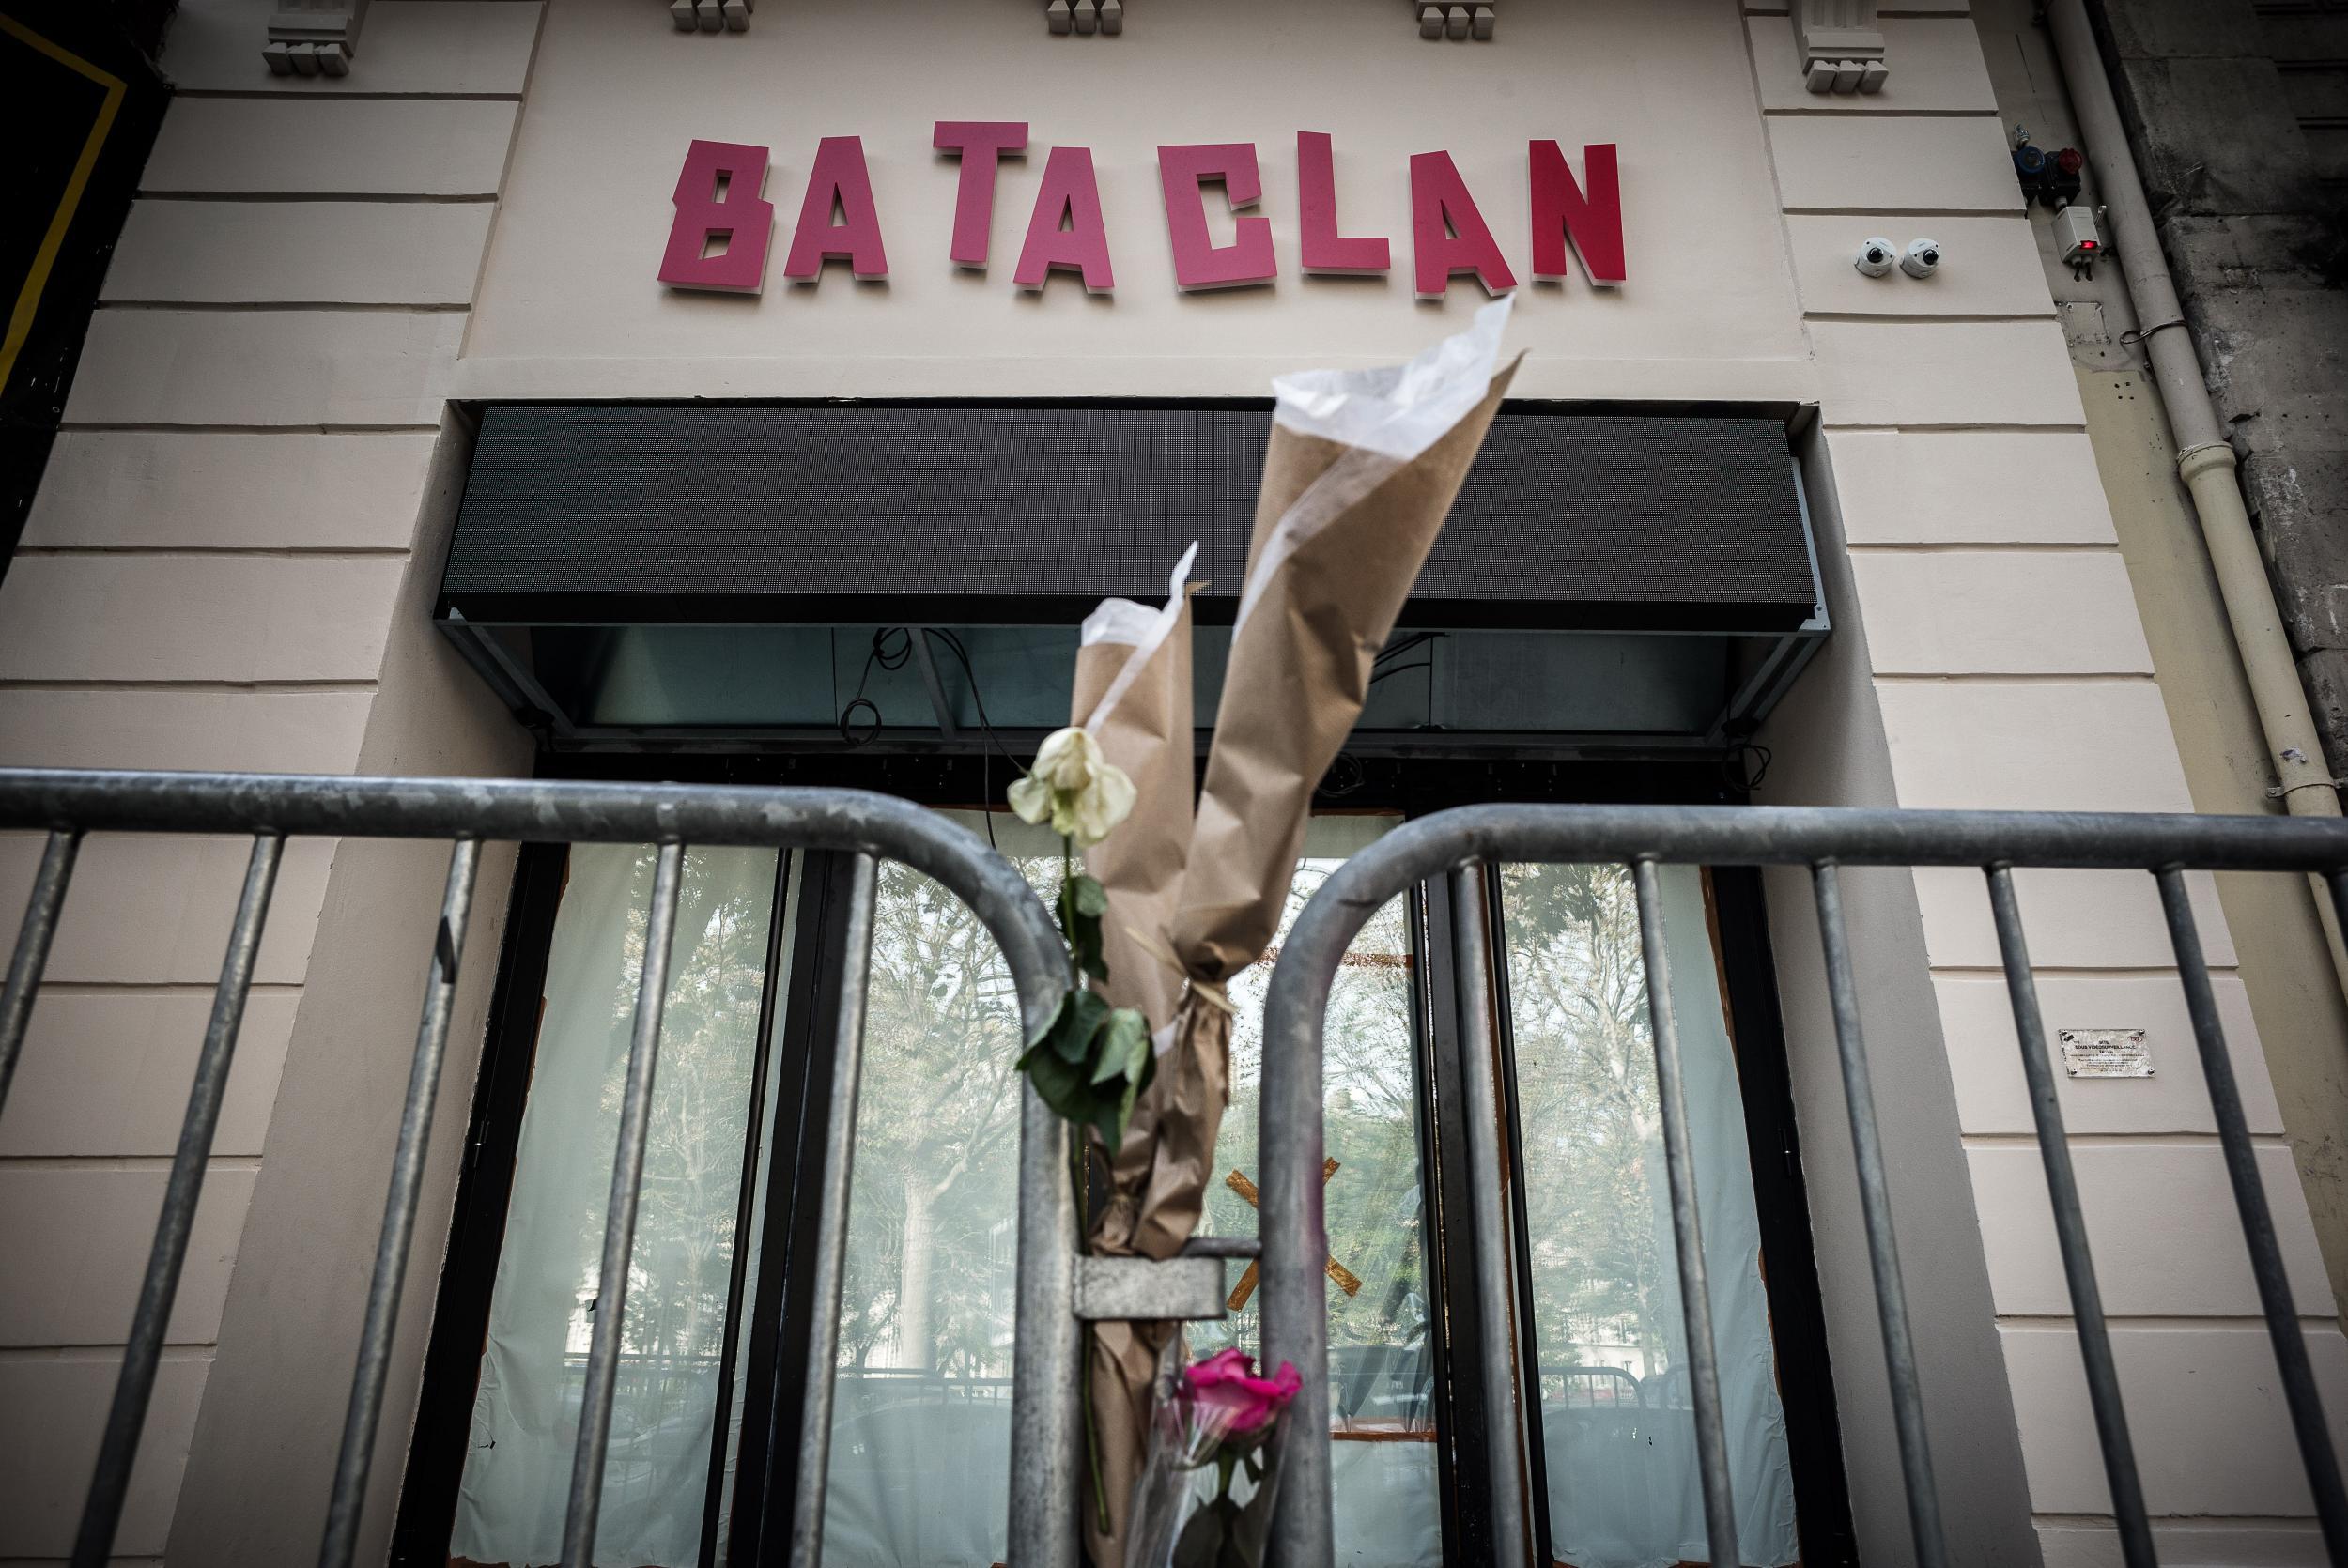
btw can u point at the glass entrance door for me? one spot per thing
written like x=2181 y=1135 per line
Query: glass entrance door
x=713 y=1358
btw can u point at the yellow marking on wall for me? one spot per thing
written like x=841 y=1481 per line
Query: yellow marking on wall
x=36 y=276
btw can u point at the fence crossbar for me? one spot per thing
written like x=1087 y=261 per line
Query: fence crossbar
x=1821 y=840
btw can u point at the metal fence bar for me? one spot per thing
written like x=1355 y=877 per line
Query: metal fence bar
x=2079 y=1268
x=102 y=1509
x=619 y=1225
x=556 y=812
x=1047 y=1461
x=2258 y=1220
x=399 y=1213
x=32 y=948
x=1875 y=1206
x=1679 y=1164
x=1511 y=1542
x=831 y=1225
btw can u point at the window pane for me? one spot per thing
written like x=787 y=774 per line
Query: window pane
x=922 y=1425
x=1615 y=1417
x=1382 y=1382
x=541 y=1313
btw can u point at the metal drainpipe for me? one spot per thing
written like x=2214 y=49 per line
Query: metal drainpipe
x=2205 y=460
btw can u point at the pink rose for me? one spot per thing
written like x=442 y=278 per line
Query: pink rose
x=1225 y=1384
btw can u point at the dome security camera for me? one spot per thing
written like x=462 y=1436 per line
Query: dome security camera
x=1923 y=259
x=1876 y=257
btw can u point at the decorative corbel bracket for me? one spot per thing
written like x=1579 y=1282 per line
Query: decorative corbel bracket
x=1084 y=17
x=1841 y=46
x=314 y=37
x=1472 y=21
x=710 y=16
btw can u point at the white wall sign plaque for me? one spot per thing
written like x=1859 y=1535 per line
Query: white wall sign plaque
x=2105 y=1054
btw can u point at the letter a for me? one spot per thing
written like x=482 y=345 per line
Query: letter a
x=1070 y=195
x=716 y=196
x=838 y=179
x=1447 y=232
x=1562 y=212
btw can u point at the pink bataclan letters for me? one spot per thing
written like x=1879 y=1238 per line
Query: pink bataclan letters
x=1065 y=230
x=716 y=198
x=720 y=238
x=1198 y=262
x=837 y=183
x=981 y=145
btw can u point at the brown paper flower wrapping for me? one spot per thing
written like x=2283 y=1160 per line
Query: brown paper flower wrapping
x=1361 y=473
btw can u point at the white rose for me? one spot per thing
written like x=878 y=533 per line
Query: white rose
x=1074 y=787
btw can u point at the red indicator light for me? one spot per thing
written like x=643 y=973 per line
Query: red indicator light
x=2087 y=244
x=2070 y=160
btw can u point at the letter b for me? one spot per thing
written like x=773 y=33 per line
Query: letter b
x=717 y=195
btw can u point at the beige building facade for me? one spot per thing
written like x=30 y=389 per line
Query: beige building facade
x=235 y=559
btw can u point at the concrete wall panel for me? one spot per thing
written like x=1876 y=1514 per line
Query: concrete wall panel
x=156 y=909
x=1968 y=486
x=2032 y=746
x=287 y=145
x=1894 y=163
x=308 y=368
x=2000 y=372
x=105 y=1072
x=1999 y=612
x=1978 y=1025
x=1989 y=266
x=2204 y=1407
x=84 y=1231
x=136 y=726
x=198 y=617
x=201 y=489
x=2147 y=1205
x=2072 y=919
x=306 y=253
x=52 y=1412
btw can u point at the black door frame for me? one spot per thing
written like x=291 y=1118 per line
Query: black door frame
x=803 y=1009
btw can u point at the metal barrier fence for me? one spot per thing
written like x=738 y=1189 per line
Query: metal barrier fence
x=1045 y=1416
x=1457 y=843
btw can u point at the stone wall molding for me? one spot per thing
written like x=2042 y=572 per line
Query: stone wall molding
x=1841 y=46
x=314 y=37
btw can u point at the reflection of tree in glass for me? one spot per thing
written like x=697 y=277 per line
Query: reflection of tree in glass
x=1585 y=1075
x=1377 y=1338
x=932 y=1233
x=684 y=1252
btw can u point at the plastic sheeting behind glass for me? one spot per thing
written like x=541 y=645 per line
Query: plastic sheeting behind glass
x=1615 y=1417
x=541 y=1313
x=1381 y=1372
x=920 y=1454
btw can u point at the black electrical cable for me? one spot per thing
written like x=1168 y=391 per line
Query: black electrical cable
x=986 y=761
x=887 y=658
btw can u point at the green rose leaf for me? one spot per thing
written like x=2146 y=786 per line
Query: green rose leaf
x=1123 y=1036
x=1081 y=1015
x=1091 y=897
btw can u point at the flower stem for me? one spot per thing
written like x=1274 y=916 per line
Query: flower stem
x=1078 y=1173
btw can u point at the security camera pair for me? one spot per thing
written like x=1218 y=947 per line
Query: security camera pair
x=1876 y=256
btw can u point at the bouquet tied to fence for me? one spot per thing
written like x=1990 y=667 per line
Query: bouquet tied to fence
x=1204 y=1498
